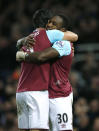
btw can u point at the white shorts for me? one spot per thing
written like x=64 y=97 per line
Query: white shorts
x=33 y=110
x=61 y=113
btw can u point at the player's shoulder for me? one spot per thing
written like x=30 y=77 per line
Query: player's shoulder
x=54 y=31
x=38 y=32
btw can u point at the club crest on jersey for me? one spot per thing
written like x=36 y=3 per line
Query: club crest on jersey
x=57 y=82
x=60 y=43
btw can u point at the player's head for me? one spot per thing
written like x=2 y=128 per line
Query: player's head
x=41 y=17
x=59 y=22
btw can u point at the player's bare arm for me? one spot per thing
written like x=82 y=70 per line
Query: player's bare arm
x=70 y=36
x=37 y=57
x=43 y=56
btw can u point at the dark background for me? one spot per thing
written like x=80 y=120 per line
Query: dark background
x=16 y=22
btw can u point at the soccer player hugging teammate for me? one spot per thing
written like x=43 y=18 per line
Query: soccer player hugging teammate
x=37 y=79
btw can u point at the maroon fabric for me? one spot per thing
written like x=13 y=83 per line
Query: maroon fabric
x=59 y=82
x=35 y=77
x=66 y=130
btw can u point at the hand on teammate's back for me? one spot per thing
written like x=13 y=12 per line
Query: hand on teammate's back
x=30 y=41
x=26 y=41
x=73 y=51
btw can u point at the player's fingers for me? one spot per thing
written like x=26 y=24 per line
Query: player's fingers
x=73 y=49
x=31 y=39
x=31 y=35
x=31 y=42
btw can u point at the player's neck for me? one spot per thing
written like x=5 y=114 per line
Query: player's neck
x=40 y=28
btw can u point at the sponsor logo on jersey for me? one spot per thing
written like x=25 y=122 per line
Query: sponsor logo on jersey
x=63 y=125
x=57 y=82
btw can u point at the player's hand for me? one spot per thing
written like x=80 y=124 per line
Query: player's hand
x=20 y=43
x=30 y=41
x=20 y=56
x=73 y=51
x=26 y=41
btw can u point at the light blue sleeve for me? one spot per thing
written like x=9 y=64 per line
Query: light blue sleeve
x=63 y=47
x=54 y=35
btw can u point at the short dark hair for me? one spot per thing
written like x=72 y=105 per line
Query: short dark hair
x=41 y=17
x=65 y=23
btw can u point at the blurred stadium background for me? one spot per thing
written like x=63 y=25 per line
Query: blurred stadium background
x=16 y=22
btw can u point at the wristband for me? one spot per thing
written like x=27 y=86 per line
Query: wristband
x=25 y=55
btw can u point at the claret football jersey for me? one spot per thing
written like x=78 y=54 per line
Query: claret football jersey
x=59 y=85
x=35 y=77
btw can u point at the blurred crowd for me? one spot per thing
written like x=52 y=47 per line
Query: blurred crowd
x=16 y=22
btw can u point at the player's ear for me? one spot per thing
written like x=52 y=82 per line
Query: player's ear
x=63 y=29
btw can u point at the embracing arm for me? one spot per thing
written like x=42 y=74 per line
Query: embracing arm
x=25 y=41
x=70 y=36
x=20 y=43
x=37 y=57
x=58 y=35
x=29 y=40
x=42 y=56
x=59 y=49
